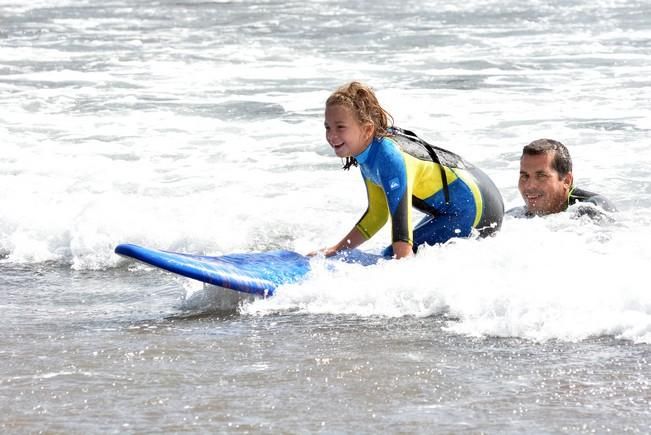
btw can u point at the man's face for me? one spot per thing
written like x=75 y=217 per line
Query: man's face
x=543 y=190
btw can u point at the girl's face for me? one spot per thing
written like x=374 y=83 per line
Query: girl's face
x=344 y=133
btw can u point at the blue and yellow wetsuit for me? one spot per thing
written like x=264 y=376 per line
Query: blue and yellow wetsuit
x=402 y=171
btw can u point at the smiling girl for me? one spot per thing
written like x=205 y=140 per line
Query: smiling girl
x=402 y=171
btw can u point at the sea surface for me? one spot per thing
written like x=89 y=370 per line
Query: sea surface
x=197 y=126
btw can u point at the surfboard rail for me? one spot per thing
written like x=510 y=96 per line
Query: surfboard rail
x=258 y=273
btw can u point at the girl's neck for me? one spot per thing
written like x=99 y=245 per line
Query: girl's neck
x=361 y=157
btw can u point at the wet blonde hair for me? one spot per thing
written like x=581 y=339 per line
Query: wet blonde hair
x=362 y=102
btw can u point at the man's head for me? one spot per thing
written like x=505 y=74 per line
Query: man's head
x=545 y=176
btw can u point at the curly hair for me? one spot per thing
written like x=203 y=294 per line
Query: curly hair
x=362 y=102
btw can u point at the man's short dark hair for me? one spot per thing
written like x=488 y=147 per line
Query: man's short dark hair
x=562 y=162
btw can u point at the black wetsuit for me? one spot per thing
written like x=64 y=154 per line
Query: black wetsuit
x=580 y=195
x=577 y=196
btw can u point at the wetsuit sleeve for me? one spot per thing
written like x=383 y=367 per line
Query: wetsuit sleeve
x=394 y=177
x=376 y=214
x=582 y=195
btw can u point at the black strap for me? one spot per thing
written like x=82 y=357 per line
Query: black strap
x=435 y=158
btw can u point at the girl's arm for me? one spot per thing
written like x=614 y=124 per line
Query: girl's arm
x=355 y=238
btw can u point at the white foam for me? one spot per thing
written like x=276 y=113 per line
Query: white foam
x=539 y=279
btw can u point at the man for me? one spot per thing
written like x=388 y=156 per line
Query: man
x=547 y=184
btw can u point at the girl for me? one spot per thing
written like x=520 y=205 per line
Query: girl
x=402 y=171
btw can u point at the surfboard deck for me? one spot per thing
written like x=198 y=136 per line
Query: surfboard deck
x=258 y=273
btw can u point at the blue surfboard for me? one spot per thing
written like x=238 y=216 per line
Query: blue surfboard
x=258 y=273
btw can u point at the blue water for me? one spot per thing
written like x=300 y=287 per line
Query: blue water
x=198 y=127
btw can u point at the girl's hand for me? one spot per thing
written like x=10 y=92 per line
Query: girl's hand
x=352 y=240
x=402 y=250
x=326 y=252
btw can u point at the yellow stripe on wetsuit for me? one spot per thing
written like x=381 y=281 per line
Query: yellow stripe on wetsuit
x=470 y=181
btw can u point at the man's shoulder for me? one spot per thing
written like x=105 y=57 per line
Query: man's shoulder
x=578 y=195
x=590 y=204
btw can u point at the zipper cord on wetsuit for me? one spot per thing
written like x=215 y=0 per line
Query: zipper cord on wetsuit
x=435 y=158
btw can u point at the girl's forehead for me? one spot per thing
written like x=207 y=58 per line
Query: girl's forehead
x=338 y=110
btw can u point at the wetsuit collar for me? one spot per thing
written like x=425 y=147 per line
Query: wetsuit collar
x=363 y=156
x=569 y=195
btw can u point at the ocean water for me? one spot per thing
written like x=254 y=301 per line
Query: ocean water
x=197 y=126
